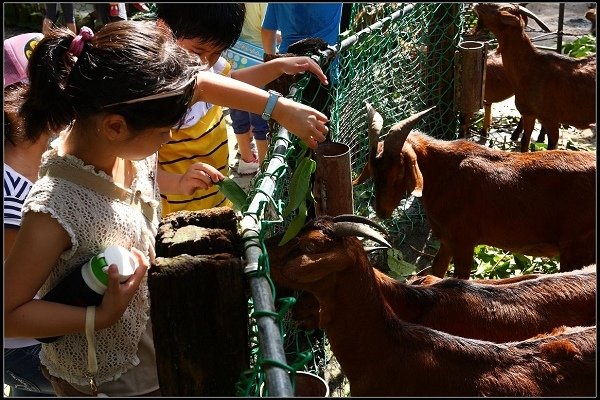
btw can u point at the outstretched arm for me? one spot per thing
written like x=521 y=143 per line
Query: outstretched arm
x=260 y=75
x=299 y=119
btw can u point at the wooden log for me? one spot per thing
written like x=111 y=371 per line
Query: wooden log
x=199 y=306
x=469 y=69
x=209 y=231
x=218 y=217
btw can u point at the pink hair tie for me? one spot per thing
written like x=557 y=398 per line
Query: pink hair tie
x=85 y=35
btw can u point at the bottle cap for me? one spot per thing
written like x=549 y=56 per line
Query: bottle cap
x=120 y=256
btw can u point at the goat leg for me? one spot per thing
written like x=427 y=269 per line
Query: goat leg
x=517 y=132
x=542 y=136
x=553 y=131
x=463 y=260
x=528 y=124
x=441 y=261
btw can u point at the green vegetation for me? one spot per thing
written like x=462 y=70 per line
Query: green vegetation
x=581 y=47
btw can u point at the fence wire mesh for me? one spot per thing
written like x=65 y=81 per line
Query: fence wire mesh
x=403 y=66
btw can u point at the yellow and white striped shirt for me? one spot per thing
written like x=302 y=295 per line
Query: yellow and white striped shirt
x=202 y=138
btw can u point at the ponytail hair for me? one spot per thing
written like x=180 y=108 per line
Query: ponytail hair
x=124 y=60
x=47 y=105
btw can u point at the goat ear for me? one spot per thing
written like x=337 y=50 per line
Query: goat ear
x=413 y=173
x=375 y=125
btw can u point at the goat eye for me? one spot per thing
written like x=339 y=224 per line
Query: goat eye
x=310 y=247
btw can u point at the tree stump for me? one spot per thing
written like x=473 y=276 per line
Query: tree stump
x=199 y=304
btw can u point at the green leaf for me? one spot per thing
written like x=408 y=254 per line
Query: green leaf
x=299 y=184
x=234 y=193
x=295 y=225
x=397 y=265
x=535 y=146
x=523 y=262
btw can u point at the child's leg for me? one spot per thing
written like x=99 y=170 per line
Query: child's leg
x=260 y=128
x=248 y=163
x=243 y=134
x=261 y=145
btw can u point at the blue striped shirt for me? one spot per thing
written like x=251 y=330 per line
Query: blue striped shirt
x=16 y=188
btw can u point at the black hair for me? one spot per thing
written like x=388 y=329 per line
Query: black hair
x=123 y=61
x=216 y=23
x=13 y=125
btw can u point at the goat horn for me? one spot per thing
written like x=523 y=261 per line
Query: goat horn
x=369 y=249
x=537 y=19
x=359 y=219
x=399 y=132
x=359 y=229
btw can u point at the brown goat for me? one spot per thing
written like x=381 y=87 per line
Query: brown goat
x=511 y=309
x=497 y=88
x=381 y=355
x=464 y=308
x=541 y=203
x=551 y=87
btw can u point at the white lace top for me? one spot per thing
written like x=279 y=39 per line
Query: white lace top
x=95 y=221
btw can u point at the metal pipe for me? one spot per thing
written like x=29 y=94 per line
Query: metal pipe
x=559 y=34
x=270 y=341
x=271 y=344
x=331 y=51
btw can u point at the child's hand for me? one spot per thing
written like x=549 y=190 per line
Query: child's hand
x=301 y=120
x=118 y=295
x=199 y=176
x=299 y=65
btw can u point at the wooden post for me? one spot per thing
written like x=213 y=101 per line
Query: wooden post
x=469 y=70
x=332 y=187
x=199 y=305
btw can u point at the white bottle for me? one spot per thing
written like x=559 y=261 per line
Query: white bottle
x=86 y=285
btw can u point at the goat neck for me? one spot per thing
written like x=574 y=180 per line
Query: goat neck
x=507 y=23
